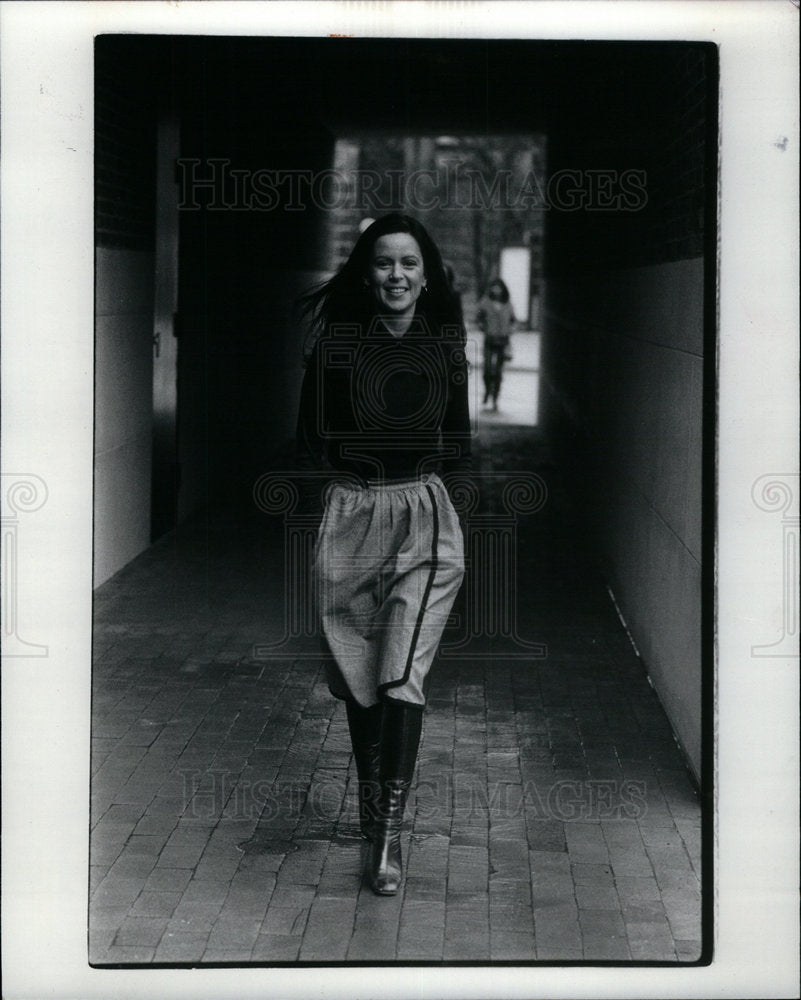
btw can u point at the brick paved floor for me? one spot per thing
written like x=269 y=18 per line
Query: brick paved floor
x=552 y=816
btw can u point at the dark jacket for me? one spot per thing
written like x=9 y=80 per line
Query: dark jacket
x=375 y=406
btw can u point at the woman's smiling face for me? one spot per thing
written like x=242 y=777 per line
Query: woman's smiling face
x=396 y=275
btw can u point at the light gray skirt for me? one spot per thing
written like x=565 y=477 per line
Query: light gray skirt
x=388 y=563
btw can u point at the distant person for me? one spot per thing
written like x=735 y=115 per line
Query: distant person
x=496 y=319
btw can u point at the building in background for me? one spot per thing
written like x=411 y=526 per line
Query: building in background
x=481 y=197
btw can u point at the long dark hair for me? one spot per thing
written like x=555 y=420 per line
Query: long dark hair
x=344 y=298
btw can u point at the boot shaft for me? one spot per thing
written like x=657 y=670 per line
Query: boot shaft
x=364 y=725
x=401 y=726
x=365 y=737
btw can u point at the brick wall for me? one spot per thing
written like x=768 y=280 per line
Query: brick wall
x=125 y=150
x=663 y=139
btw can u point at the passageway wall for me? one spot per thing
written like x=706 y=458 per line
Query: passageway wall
x=240 y=347
x=245 y=258
x=626 y=346
x=633 y=339
x=125 y=138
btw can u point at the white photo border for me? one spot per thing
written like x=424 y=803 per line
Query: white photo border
x=46 y=88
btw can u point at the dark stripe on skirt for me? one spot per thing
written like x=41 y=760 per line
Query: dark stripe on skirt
x=423 y=604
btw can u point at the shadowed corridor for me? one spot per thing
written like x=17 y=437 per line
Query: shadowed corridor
x=553 y=818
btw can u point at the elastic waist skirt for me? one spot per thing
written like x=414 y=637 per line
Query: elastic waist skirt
x=388 y=563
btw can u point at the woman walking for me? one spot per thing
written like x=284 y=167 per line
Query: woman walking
x=495 y=317
x=384 y=410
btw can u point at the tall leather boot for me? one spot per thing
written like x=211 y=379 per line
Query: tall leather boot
x=365 y=737
x=400 y=739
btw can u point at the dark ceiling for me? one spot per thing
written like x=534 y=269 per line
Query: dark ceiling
x=347 y=85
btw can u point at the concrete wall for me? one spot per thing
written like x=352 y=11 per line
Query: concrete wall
x=623 y=364
x=123 y=406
